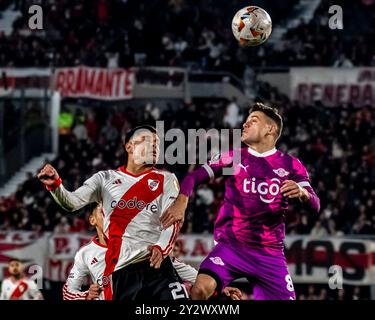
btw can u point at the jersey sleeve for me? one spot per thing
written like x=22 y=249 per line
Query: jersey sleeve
x=34 y=292
x=301 y=176
x=168 y=236
x=89 y=192
x=2 y=291
x=170 y=192
x=213 y=169
x=185 y=271
x=217 y=164
x=76 y=278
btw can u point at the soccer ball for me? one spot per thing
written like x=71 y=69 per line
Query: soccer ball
x=251 y=26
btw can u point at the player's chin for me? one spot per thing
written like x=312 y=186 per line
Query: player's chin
x=245 y=139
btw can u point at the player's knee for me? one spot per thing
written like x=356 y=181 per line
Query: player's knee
x=204 y=287
x=199 y=292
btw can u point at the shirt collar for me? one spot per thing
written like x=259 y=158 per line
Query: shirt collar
x=262 y=155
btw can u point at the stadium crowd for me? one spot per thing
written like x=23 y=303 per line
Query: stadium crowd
x=335 y=144
x=192 y=34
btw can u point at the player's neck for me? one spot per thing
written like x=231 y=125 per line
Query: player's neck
x=137 y=169
x=16 y=278
x=101 y=238
x=261 y=147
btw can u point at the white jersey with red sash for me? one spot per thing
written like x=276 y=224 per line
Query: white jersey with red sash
x=132 y=206
x=22 y=289
x=89 y=261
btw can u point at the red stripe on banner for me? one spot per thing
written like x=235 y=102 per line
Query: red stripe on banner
x=120 y=219
x=362 y=260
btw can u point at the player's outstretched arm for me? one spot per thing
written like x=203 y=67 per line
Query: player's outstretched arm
x=176 y=212
x=70 y=201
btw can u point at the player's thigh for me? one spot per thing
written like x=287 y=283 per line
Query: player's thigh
x=276 y=284
x=126 y=284
x=218 y=265
x=164 y=284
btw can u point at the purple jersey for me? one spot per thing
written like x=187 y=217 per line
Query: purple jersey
x=253 y=210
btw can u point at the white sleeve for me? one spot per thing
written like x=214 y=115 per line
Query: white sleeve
x=34 y=292
x=186 y=272
x=170 y=193
x=2 y=293
x=77 y=276
x=89 y=192
x=168 y=236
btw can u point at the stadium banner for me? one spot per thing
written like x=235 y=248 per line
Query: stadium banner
x=34 y=81
x=30 y=247
x=310 y=260
x=61 y=251
x=321 y=260
x=95 y=83
x=333 y=86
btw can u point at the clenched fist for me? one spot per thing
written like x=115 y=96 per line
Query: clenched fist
x=94 y=292
x=49 y=176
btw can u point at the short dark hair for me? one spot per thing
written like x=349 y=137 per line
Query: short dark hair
x=270 y=112
x=91 y=207
x=131 y=133
x=14 y=259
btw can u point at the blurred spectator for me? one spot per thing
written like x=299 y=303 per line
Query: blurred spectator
x=63 y=226
x=343 y=62
x=318 y=231
x=232 y=116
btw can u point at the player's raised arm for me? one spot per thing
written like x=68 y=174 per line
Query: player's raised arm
x=176 y=212
x=70 y=201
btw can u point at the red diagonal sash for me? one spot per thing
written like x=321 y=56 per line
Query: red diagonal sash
x=120 y=219
x=19 y=291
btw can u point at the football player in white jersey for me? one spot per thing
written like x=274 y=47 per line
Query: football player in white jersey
x=18 y=286
x=134 y=197
x=89 y=262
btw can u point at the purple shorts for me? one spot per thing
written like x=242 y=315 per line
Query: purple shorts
x=267 y=273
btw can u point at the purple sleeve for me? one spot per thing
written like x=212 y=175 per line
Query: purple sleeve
x=302 y=178
x=193 y=179
x=208 y=171
x=314 y=201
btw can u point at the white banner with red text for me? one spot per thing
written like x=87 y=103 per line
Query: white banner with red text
x=333 y=86
x=310 y=260
x=95 y=83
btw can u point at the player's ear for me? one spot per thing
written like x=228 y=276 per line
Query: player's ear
x=128 y=147
x=92 y=220
x=272 y=129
